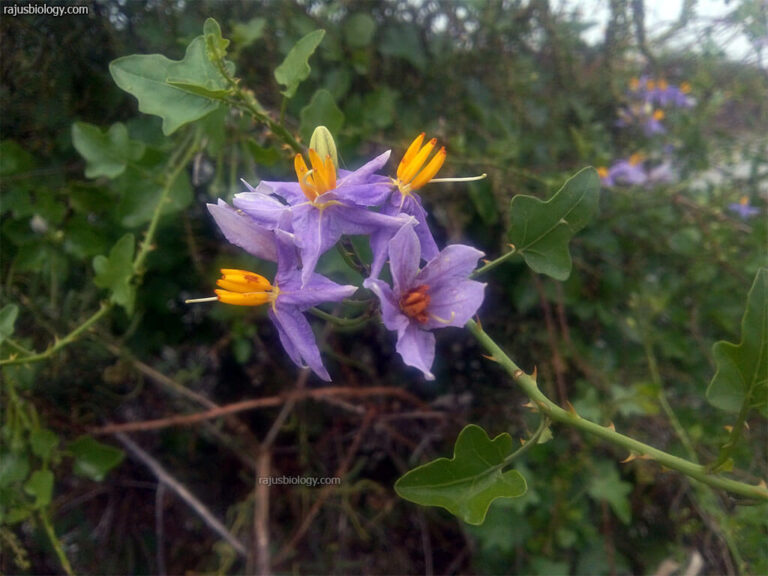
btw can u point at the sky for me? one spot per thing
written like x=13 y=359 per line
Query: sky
x=661 y=14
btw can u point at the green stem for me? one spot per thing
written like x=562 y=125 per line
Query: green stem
x=347 y=323
x=493 y=263
x=175 y=167
x=245 y=100
x=653 y=368
x=553 y=411
x=18 y=347
x=63 y=560
x=61 y=343
x=532 y=441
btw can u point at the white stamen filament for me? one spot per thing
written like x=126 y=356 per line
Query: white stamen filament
x=198 y=300
x=443 y=320
x=467 y=179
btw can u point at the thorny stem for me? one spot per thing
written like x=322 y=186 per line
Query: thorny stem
x=246 y=101
x=176 y=165
x=55 y=542
x=553 y=411
x=60 y=343
x=493 y=263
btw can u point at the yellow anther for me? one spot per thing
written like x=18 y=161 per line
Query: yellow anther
x=243 y=288
x=658 y=114
x=320 y=179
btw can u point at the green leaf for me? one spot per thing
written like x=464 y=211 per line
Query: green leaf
x=14 y=159
x=106 y=154
x=321 y=111
x=94 y=459
x=466 y=484
x=146 y=77
x=8 y=315
x=215 y=43
x=606 y=485
x=139 y=196
x=13 y=468
x=40 y=485
x=359 y=30
x=742 y=369
x=404 y=41
x=261 y=155
x=211 y=93
x=115 y=272
x=295 y=68
x=540 y=231
x=43 y=442
x=246 y=34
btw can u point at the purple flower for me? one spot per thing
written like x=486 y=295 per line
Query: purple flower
x=321 y=209
x=743 y=209
x=419 y=301
x=243 y=231
x=288 y=296
x=628 y=172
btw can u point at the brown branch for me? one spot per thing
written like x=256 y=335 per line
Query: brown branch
x=341 y=471
x=182 y=492
x=269 y=401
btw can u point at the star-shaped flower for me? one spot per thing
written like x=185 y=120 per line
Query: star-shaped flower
x=421 y=300
x=323 y=207
x=288 y=296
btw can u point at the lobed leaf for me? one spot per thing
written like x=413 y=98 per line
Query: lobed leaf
x=116 y=271
x=741 y=378
x=295 y=68
x=468 y=483
x=40 y=485
x=94 y=459
x=541 y=231
x=106 y=154
x=8 y=315
x=191 y=95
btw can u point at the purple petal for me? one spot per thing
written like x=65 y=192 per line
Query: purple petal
x=363 y=174
x=391 y=315
x=317 y=290
x=363 y=194
x=454 y=264
x=264 y=209
x=417 y=348
x=414 y=207
x=241 y=230
x=290 y=191
x=298 y=339
x=316 y=232
x=404 y=259
x=454 y=304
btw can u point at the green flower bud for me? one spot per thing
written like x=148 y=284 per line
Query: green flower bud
x=322 y=142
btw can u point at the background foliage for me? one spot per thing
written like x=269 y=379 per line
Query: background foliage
x=513 y=90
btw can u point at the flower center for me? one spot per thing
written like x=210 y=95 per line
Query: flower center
x=243 y=288
x=412 y=173
x=414 y=303
x=320 y=179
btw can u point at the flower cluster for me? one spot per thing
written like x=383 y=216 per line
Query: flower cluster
x=293 y=223
x=634 y=171
x=648 y=100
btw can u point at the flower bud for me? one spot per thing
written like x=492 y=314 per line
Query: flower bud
x=322 y=142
